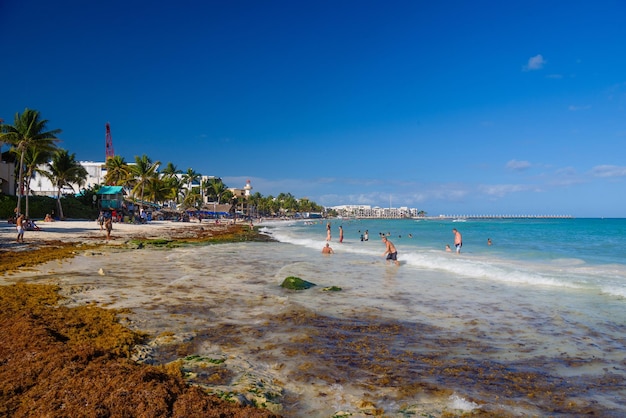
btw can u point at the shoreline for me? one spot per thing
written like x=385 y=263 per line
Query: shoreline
x=63 y=239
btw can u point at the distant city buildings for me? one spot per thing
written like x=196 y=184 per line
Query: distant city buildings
x=367 y=211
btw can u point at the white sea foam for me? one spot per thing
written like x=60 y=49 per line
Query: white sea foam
x=458 y=403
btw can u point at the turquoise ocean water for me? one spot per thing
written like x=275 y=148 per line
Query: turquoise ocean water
x=574 y=253
x=533 y=325
x=547 y=300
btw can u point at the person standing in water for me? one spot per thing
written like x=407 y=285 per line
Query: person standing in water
x=458 y=240
x=328 y=231
x=390 y=251
x=340 y=233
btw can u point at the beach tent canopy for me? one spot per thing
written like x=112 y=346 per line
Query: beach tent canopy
x=108 y=190
x=111 y=197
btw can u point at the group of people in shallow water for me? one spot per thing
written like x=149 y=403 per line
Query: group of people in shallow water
x=391 y=253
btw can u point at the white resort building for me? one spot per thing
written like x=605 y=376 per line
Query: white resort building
x=366 y=211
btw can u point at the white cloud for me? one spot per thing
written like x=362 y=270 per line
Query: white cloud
x=535 y=63
x=501 y=190
x=573 y=108
x=566 y=171
x=608 y=171
x=518 y=165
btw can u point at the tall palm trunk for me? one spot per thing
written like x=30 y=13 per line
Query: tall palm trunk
x=27 y=193
x=20 y=182
x=59 y=206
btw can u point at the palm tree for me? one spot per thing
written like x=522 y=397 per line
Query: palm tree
x=118 y=172
x=65 y=171
x=172 y=182
x=216 y=189
x=170 y=170
x=173 y=186
x=33 y=161
x=144 y=172
x=191 y=198
x=28 y=131
x=287 y=202
x=190 y=176
x=158 y=189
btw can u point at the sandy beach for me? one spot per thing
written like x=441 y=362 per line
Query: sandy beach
x=60 y=358
x=57 y=239
x=90 y=232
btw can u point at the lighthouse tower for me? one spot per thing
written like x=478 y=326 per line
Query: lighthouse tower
x=247 y=188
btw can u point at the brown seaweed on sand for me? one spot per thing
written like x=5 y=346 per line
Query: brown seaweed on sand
x=60 y=361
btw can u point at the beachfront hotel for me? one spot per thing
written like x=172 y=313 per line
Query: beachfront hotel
x=367 y=211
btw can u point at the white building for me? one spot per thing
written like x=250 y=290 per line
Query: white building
x=366 y=211
x=7 y=178
x=42 y=186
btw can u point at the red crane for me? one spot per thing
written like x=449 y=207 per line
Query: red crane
x=109 y=142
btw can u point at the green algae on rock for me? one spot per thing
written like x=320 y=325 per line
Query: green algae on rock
x=296 y=283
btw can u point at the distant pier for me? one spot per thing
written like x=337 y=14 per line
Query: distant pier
x=473 y=217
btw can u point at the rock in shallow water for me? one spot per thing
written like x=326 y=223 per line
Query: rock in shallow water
x=296 y=283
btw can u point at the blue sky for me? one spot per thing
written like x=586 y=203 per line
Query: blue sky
x=452 y=107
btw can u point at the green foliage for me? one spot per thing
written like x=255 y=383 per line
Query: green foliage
x=28 y=135
x=73 y=207
x=7 y=206
x=86 y=195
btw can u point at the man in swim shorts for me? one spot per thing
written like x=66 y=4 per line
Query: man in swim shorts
x=19 y=224
x=390 y=251
x=458 y=240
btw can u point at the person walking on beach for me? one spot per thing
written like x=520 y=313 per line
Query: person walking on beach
x=458 y=240
x=390 y=251
x=101 y=220
x=327 y=249
x=19 y=224
x=340 y=233
x=108 y=224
